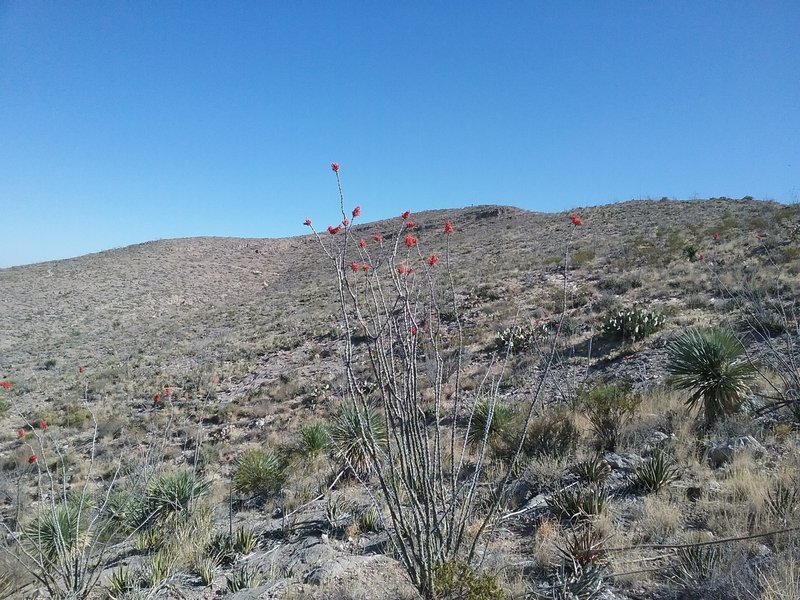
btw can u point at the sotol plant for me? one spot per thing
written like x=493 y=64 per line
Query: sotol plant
x=710 y=363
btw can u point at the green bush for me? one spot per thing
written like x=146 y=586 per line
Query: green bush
x=552 y=434
x=456 y=580
x=632 y=324
x=172 y=496
x=712 y=365
x=259 y=472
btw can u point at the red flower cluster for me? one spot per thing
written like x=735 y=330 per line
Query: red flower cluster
x=81 y=369
x=362 y=243
x=335 y=167
x=377 y=238
x=307 y=222
x=356 y=212
x=410 y=240
x=354 y=266
x=758 y=237
x=410 y=224
x=157 y=398
x=365 y=267
x=20 y=433
x=401 y=268
x=168 y=391
x=334 y=230
x=576 y=220
x=31 y=459
x=5 y=384
x=345 y=222
x=715 y=237
x=186 y=396
x=405 y=214
x=448 y=227
x=413 y=330
x=42 y=424
x=433 y=260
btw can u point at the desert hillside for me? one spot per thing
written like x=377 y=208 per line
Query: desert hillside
x=191 y=356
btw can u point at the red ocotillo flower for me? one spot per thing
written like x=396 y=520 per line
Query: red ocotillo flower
x=410 y=240
x=758 y=237
x=356 y=212
x=377 y=238
x=354 y=266
x=42 y=424
x=228 y=458
x=81 y=369
x=410 y=224
x=701 y=256
x=157 y=398
x=31 y=459
x=362 y=243
x=715 y=237
x=433 y=260
x=168 y=391
x=413 y=330
x=405 y=214
x=307 y=222
x=5 y=384
x=335 y=167
x=334 y=230
x=576 y=220
x=20 y=433
x=365 y=267
x=345 y=222
x=186 y=396
x=401 y=268
x=448 y=227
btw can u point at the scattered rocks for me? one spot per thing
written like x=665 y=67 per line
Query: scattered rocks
x=725 y=451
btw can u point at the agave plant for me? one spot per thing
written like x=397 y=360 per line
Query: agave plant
x=710 y=363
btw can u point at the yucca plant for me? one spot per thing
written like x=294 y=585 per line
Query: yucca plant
x=259 y=472
x=497 y=420
x=655 y=473
x=313 y=439
x=593 y=470
x=578 y=504
x=242 y=578
x=710 y=364
x=244 y=541
x=172 y=496
x=353 y=432
x=121 y=583
x=58 y=532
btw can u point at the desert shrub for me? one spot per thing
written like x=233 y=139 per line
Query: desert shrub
x=710 y=364
x=579 y=503
x=75 y=416
x=619 y=285
x=456 y=580
x=4 y=406
x=244 y=540
x=574 y=581
x=552 y=434
x=608 y=406
x=655 y=473
x=632 y=324
x=521 y=338
x=220 y=549
x=783 y=500
x=353 y=431
x=259 y=472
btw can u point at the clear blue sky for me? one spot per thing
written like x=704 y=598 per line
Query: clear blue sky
x=122 y=122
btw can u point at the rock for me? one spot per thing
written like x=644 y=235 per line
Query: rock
x=727 y=450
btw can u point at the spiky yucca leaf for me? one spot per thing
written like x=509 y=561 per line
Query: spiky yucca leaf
x=172 y=495
x=259 y=471
x=709 y=363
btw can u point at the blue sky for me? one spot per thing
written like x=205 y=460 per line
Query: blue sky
x=123 y=122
